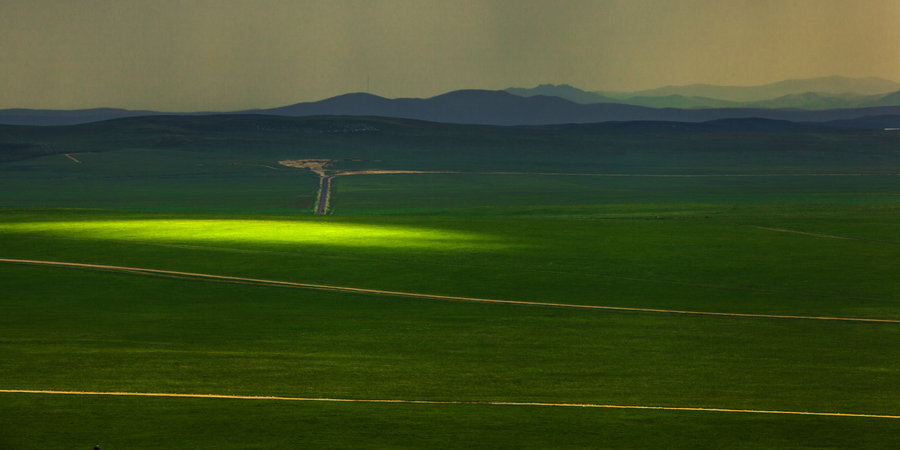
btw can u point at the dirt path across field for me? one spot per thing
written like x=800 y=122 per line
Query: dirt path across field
x=319 y=166
x=324 y=194
x=823 y=235
x=353 y=290
x=389 y=172
x=445 y=402
x=316 y=166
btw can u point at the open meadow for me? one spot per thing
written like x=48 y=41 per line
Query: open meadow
x=637 y=286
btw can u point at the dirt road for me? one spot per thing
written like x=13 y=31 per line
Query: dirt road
x=324 y=194
x=824 y=235
x=354 y=290
x=445 y=402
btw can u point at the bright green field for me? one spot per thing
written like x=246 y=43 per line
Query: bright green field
x=718 y=262
x=814 y=240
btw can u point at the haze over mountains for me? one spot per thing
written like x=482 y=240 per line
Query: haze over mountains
x=812 y=93
x=823 y=85
x=838 y=99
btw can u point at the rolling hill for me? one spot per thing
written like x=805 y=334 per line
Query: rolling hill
x=484 y=107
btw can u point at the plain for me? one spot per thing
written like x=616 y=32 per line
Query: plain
x=690 y=220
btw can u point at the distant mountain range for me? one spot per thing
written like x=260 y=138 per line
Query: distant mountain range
x=505 y=108
x=813 y=93
x=823 y=85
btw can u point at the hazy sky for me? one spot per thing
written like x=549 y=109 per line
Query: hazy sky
x=234 y=54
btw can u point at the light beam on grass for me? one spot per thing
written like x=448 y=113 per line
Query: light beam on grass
x=276 y=232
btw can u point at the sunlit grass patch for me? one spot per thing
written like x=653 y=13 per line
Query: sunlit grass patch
x=277 y=232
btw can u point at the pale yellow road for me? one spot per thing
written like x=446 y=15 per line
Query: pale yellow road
x=447 y=402
x=225 y=278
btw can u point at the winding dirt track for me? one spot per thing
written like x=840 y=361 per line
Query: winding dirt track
x=323 y=287
x=447 y=402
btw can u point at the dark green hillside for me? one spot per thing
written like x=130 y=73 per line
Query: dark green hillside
x=156 y=179
x=230 y=163
x=404 y=144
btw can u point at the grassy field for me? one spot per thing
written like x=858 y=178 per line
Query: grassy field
x=819 y=239
x=555 y=195
x=141 y=179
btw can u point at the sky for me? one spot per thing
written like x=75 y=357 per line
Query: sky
x=218 y=55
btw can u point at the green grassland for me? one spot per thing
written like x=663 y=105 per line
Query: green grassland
x=148 y=179
x=407 y=144
x=813 y=233
x=187 y=423
x=73 y=330
x=598 y=195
